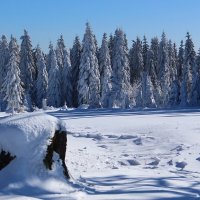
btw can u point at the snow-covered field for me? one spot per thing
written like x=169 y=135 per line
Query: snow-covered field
x=124 y=154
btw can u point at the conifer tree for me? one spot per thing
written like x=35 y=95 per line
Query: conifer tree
x=28 y=69
x=145 y=49
x=75 y=57
x=136 y=61
x=4 y=58
x=189 y=73
x=12 y=85
x=54 y=88
x=89 y=77
x=42 y=78
x=105 y=72
x=60 y=48
x=180 y=61
x=164 y=71
x=67 y=79
x=122 y=94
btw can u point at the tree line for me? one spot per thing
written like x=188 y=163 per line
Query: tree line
x=110 y=76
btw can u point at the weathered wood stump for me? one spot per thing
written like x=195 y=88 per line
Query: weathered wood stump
x=5 y=159
x=58 y=144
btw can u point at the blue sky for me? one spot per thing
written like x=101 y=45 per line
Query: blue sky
x=45 y=20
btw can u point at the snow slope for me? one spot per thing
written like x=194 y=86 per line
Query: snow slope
x=122 y=154
x=26 y=136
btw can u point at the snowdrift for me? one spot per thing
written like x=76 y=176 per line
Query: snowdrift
x=26 y=137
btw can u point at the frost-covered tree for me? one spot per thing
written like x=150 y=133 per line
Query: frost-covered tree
x=28 y=69
x=49 y=56
x=122 y=94
x=89 y=77
x=155 y=51
x=145 y=49
x=42 y=78
x=147 y=91
x=189 y=73
x=4 y=57
x=110 y=46
x=164 y=71
x=54 y=88
x=67 y=79
x=105 y=72
x=153 y=82
x=60 y=48
x=12 y=85
x=75 y=57
x=172 y=62
x=180 y=62
x=136 y=61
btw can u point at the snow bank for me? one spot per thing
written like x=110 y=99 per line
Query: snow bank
x=27 y=136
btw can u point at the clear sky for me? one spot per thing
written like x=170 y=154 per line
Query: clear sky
x=45 y=20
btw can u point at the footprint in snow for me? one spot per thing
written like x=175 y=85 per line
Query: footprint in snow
x=155 y=162
x=181 y=165
x=103 y=146
x=133 y=162
x=178 y=148
x=122 y=163
x=198 y=158
x=138 y=141
x=127 y=137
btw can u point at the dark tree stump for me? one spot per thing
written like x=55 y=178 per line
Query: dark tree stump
x=5 y=159
x=58 y=144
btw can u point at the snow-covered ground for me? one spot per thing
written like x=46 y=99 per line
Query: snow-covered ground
x=123 y=154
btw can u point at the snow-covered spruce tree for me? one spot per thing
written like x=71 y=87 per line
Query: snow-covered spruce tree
x=122 y=93
x=196 y=86
x=4 y=57
x=42 y=78
x=136 y=61
x=147 y=86
x=67 y=79
x=180 y=61
x=105 y=72
x=147 y=91
x=153 y=82
x=145 y=49
x=152 y=66
x=12 y=85
x=189 y=73
x=174 y=90
x=110 y=46
x=155 y=50
x=48 y=57
x=60 y=48
x=174 y=94
x=89 y=77
x=54 y=88
x=172 y=62
x=28 y=70
x=164 y=71
x=75 y=57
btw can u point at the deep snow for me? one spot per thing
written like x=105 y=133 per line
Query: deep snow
x=118 y=154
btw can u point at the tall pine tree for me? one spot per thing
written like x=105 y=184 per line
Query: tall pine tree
x=122 y=94
x=12 y=85
x=105 y=72
x=4 y=58
x=54 y=88
x=42 y=77
x=28 y=69
x=75 y=56
x=89 y=77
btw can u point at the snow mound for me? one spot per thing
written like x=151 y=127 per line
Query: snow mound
x=27 y=136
